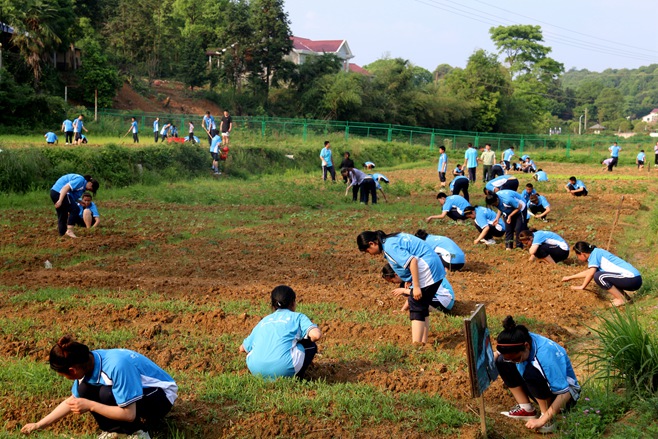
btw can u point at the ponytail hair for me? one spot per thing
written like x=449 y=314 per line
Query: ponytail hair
x=363 y=240
x=68 y=353
x=513 y=337
x=283 y=297
x=492 y=199
x=94 y=183
x=527 y=234
x=583 y=247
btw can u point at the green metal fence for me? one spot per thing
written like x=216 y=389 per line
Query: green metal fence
x=118 y=121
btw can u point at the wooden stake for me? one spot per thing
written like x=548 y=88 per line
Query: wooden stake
x=483 y=420
x=614 y=224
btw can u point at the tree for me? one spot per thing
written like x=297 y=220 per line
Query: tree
x=521 y=46
x=97 y=73
x=609 y=105
x=271 y=39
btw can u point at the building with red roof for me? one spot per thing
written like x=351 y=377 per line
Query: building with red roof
x=303 y=48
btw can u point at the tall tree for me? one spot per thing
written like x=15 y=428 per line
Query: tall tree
x=521 y=45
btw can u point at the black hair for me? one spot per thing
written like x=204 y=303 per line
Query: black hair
x=468 y=210
x=534 y=197
x=441 y=195
x=527 y=234
x=572 y=178
x=326 y=142
x=470 y=145
x=283 y=297
x=68 y=353
x=491 y=200
x=86 y=195
x=347 y=152
x=366 y=237
x=388 y=272
x=529 y=185
x=487 y=144
x=345 y=171
x=539 y=169
x=94 y=184
x=422 y=234
x=442 y=148
x=513 y=337
x=583 y=247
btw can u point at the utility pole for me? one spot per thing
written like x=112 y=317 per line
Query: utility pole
x=585 y=119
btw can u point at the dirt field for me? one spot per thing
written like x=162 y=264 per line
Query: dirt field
x=170 y=257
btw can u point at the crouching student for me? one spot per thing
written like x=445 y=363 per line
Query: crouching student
x=535 y=368
x=539 y=207
x=487 y=223
x=413 y=261
x=545 y=246
x=576 y=187
x=510 y=204
x=610 y=272
x=87 y=215
x=451 y=206
x=452 y=257
x=443 y=300
x=122 y=389
x=283 y=343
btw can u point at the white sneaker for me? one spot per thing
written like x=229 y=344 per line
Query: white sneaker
x=108 y=435
x=490 y=241
x=548 y=428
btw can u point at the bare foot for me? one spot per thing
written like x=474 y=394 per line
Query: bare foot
x=618 y=302
x=70 y=234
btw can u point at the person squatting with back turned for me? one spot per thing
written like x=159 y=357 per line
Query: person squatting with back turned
x=443 y=299
x=416 y=264
x=283 y=343
x=535 y=368
x=123 y=390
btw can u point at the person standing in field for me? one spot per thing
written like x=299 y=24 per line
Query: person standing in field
x=614 y=154
x=156 y=129
x=190 y=131
x=608 y=271
x=164 y=132
x=535 y=368
x=78 y=126
x=443 y=165
x=488 y=159
x=67 y=128
x=208 y=124
x=65 y=193
x=416 y=264
x=214 y=153
x=471 y=162
x=346 y=163
x=507 y=158
x=327 y=162
x=123 y=390
x=283 y=343
x=639 y=160
x=134 y=129
x=226 y=126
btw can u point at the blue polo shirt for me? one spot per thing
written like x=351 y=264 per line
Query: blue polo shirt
x=443 y=162
x=214 y=145
x=552 y=361
x=272 y=346
x=606 y=261
x=446 y=248
x=51 y=137
x=460 y=177
x=526 y=195
x=544 y=236
x=578 y=184
x=541 y=176
x=128 y=373
x=134 y=127
x=497 y=182
x=486 y=217
x=325 y=153
x=614 y=150
x=524 y=157
x=77 y=126
x=455 y=202
x=445 y=295
x=508 y=154
x=542 y=201
x=76 y=182
x=400 y=249
x=640 y=157
x=92 y=207
x=458 y=171
x=379 y=177
x=68 y=125
x=509 y=200
x=471 y=156
x=156 y=124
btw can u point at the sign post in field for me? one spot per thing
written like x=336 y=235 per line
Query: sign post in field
x=481 y=365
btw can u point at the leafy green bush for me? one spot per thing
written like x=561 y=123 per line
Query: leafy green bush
x=627 y=354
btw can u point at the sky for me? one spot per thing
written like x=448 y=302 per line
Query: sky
x=584 y=34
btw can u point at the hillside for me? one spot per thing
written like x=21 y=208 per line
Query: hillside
x=169 y=96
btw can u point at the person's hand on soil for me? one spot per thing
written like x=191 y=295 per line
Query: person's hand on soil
x=29 y=428
x=579 y=287
x=400 y=292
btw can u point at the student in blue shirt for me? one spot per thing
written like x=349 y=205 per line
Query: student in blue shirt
x=66 y=191
x=67 y=128
x=610 y=272
x=327 y=162
x=535 y=367
x=51 y=138
x=379 y=178
x=528 y=192
x=452 y=257
x=540 y=175
x=359 y=180
x=452 y=206
x=78 y=126
x=156 y=129
x=443 y=165
x=500 y=183
x=513 y=207
x=166 y=128
x=545 y=246
x=123 y=390
x=460 y=184
x=639 y=160
x=458 y=170
x=443 y=300
x=209 y=126
x=87 y=215
x=507 y=157
x=283 y=343
x=614 y=154
x=496 y=171
x=539 y=207
x=214 y=153
x=576 y=187
x=414 y=261
x=133 y=128
x=487 y=223
x=471 y=162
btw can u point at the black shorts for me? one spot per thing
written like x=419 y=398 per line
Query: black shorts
x=555 y=252
x=79 y=221
x=215 y=156
x=419 y=309
x=442 y=177
x=78 y=136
